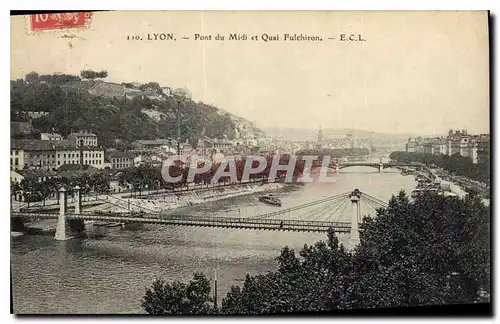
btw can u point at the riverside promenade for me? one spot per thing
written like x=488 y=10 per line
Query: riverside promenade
x=178 y=197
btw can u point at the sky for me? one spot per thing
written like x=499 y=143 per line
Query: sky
x=416 y=72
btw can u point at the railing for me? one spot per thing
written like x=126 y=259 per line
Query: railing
x=233 y=222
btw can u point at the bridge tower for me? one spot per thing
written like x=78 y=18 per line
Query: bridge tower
x=380 y=166
x=62 y=226
x=354 y=234
x=67 y=227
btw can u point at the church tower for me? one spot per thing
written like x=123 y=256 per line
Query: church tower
x=320 y=135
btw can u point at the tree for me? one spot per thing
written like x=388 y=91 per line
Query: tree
x=178 y=298
x=457 y=164
x=89 y=74
x=393 y=263
x=151 y=86
x=32 y=78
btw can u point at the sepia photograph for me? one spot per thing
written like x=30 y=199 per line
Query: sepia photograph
x=250 y=162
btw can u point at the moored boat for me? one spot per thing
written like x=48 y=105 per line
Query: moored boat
x=16 y=234
x=270 y=199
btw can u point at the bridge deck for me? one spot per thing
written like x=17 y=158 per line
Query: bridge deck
x=221 y=222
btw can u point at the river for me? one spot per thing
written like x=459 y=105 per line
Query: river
x=109 y=274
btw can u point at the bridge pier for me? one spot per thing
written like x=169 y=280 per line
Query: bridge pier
x=337 y=169
x=354 y=233
x=77 y=226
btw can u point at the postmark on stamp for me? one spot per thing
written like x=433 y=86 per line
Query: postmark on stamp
x=55 y=21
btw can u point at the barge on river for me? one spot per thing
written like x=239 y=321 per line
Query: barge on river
x=270 y=200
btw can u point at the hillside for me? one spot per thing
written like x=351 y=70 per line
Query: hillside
x=74 y=108
x=244 y=129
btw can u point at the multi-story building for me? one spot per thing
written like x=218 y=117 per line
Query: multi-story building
x=34 y=154
x=411 y=145
x=483 y=148
x=221 y=146
x=187 y=150
x=464 y=145
x=204 y=147
x=427 y=147
x=17 y=176
x=454 y=144
x=50 y=155
x=51 y=137
x=155 y=145
x=443 y=147
x=16 y=158
x=476 y=147
x=89 y=155
x=121 y=160
x=89 y=139
x=37 y=114
x=435 y=147
x=472 y=149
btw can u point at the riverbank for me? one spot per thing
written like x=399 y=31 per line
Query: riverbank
x=169 y=201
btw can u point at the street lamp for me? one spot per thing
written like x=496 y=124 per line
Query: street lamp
x=180 y=101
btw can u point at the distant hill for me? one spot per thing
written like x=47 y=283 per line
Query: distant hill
x=116 y=111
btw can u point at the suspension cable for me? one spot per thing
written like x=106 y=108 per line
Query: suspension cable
x=324 y=210
x=333 y=214
x=343 y=195
x=375 y=200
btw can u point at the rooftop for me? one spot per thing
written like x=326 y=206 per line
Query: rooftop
x=55 y=135
x=36 y=173
x=82 y=133
x=120 y=154
x=40 y=145
x=75 y=167
x=77 y=172
x=20 y=128
x=163 y=141
x=79 y=85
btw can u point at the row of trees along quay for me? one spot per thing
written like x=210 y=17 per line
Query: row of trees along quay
x=34 y=190
x=143 y=178
x=431 y=251
x=240 y=166
x=455 y=164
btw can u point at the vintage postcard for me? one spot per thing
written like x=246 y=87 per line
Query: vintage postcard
x=249 y=162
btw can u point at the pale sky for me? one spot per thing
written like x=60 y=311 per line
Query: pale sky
x=417 y=72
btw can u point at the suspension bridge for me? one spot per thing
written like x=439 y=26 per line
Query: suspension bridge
x=316 y=216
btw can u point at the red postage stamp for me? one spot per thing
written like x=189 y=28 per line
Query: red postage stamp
x=67 y=20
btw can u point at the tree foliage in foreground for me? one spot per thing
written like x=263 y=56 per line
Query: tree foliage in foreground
x=433 y=251
x=178 y=298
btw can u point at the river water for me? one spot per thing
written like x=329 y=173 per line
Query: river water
x=110 y=274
